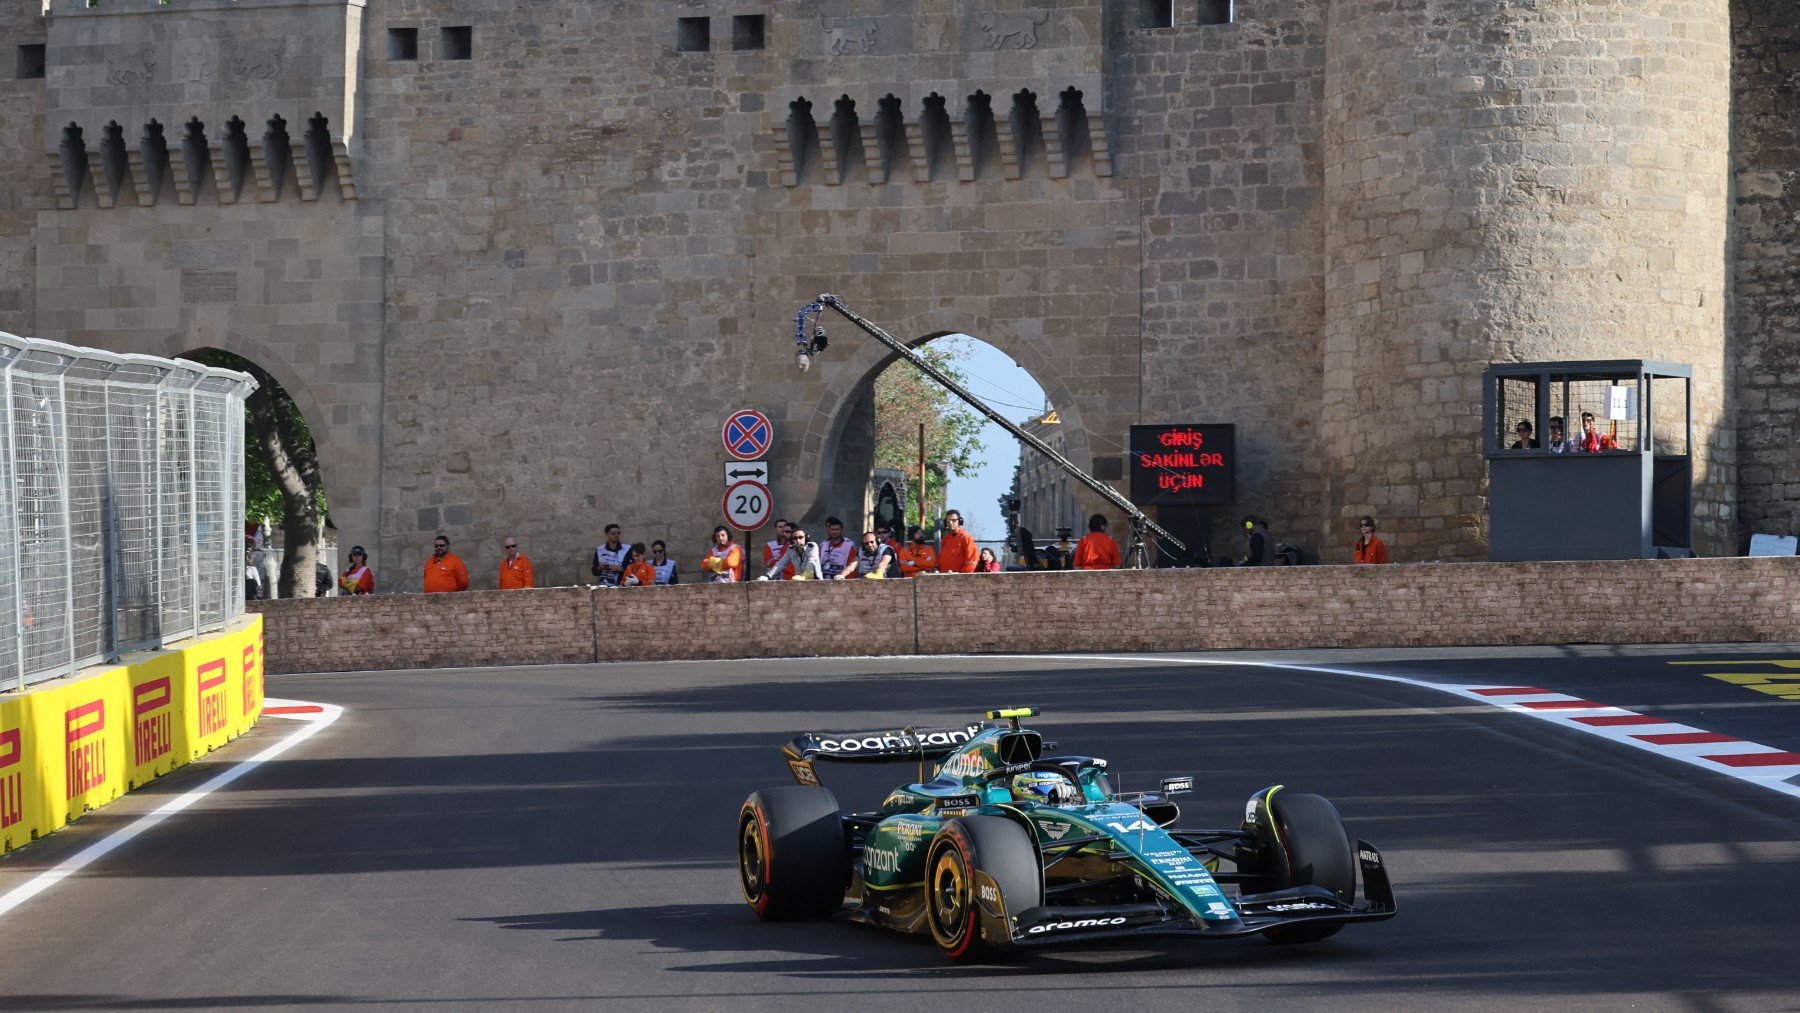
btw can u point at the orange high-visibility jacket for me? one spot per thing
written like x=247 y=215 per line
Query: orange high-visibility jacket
x=958 y=553
x=717 y=565
x=517 y=573
x=644 y=572
x=1371 y=550
x=447 y=574
x=917 y=558
x=1097 y=551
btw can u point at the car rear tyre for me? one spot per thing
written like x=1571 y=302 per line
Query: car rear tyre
x=995 y=847
x=793 y=861
x=1318 y=853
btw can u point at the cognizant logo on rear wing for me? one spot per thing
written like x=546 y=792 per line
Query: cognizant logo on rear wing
x=881 y=746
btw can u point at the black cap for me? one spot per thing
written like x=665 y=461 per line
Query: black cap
x=357 y=550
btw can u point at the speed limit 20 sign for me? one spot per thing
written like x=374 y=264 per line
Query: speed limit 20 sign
x=748 y=505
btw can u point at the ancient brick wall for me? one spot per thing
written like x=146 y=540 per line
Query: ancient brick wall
x=1513 y=182
x=544 y=249
x=1766 y=263
x=24 y=180
x=1420 y=605
x=1222 y=129
x=372 y=633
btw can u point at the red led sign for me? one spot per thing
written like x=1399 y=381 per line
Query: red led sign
x=1183 y=465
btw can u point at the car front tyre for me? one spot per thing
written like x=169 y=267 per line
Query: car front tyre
x=1318 y=854
x=995 y=847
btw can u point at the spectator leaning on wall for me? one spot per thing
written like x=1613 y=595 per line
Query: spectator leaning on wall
x=666 y=572
x=515 y=568
x=917 y=556
x=357 y=578
x=444 y=571
x=724 y=561
x=638 y=571
x=1097 y=550
x=609 y=558
x=957 y=552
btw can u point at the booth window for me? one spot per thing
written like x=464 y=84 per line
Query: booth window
x=1516 y=404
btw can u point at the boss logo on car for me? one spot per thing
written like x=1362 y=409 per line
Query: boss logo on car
x=804 y=773
x=953 y=803
x=990 y=894
x=1079 y=923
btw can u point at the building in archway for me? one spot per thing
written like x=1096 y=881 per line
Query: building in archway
x=1046 y=492
x=519 y=261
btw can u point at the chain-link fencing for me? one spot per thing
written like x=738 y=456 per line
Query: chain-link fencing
x=121 y=504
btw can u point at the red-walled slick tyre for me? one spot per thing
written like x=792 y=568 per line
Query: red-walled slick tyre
x=793 y=861
x=996 y=847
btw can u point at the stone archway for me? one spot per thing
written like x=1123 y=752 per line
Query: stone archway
x=845 y=410
x=347 y=448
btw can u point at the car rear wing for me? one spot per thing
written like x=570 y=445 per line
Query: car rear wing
x=886 y=746
x=892 y=745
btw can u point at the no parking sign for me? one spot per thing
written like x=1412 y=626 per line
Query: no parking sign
x=748 y=434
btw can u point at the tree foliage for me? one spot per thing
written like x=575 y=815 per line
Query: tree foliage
x=905 y=397
x=281 y=471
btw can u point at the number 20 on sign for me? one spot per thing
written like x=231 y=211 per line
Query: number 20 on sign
x=748 y=505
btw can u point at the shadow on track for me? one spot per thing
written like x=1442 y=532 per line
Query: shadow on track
x=841 y=949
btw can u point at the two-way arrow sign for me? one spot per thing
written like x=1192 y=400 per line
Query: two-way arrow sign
x=747 y=471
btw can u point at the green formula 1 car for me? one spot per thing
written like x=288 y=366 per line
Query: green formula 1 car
x=1004 y=848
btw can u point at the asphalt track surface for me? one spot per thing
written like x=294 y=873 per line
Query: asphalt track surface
x=552 y=838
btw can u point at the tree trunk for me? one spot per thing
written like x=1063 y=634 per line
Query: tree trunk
x=296 y=471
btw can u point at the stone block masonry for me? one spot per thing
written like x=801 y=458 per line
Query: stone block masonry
x=516 y=262
x=1425 y=605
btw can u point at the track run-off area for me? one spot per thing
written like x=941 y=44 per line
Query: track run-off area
x=1608 y=827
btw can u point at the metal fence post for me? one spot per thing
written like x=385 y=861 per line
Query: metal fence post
x=18 y=578
x=68 y=527
x=193 y=499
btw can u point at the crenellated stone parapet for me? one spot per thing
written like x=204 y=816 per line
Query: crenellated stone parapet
x=248 y=100
x=939 y=138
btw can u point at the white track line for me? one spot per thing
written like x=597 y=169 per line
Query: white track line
x=313 y=718
x=1750 y=762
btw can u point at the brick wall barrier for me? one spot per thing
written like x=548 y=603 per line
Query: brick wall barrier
x=1426 y=605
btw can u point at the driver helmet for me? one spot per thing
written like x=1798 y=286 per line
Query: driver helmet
x=1044 y=786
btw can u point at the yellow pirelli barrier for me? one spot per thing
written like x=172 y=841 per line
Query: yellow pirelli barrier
x=75 y=744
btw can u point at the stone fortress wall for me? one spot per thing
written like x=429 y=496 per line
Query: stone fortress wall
x=516 y=264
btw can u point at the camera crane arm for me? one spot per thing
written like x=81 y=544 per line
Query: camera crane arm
x=807 y=346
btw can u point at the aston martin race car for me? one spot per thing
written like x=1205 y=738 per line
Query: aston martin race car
x=1004 y=849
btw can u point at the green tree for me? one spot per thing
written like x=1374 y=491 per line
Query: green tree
x=281 y=472
x=904 y=398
